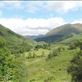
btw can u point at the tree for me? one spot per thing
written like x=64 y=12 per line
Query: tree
x=53 y=53
x=75 y=69
x=75 y=43
x=5 y=58
x=12 y=67
x=2 y=42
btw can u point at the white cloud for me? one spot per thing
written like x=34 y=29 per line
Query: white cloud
x=62 y=6
x=77 y=21
x=33 y=6
x=51 y=6
x=32 y=26
x=33 y=31
x=11 y=4
x=55 y=6
x=35 y=26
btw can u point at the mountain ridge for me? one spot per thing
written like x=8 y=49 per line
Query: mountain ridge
x=61 y=32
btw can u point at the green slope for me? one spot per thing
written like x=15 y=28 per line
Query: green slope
x=15 y=42
x=61 y=32
x=72 y=38
x=66 y=29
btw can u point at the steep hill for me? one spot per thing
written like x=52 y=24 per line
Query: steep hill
x=15 y=42
x=61 y=32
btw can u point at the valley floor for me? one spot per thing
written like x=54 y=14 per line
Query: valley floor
x=42 y=69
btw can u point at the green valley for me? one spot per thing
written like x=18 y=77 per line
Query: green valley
x=25 y=60
x=40 y=41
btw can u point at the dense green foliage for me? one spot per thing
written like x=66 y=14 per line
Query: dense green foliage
x=76 y=68
x=12 y=60
x=15 y=42
x=11 y=66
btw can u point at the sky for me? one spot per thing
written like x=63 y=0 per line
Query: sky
x=38 y=17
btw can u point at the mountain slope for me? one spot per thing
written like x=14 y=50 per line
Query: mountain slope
x=61 y=32
x=34 y=36
x=15 y=42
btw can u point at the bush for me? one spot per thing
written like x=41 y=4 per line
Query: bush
x=75 y=69
x=53 y=53
x=12 y=68
x=74 y=44
x=2 y=42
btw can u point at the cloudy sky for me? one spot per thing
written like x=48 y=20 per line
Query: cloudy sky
x=38 y=17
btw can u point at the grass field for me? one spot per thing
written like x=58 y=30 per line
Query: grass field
x=42 y=69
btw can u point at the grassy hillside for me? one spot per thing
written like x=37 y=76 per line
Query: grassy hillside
x=12 y=66
x=66 y=29
x=61 y=32
x=72 y=38
x=15 y=42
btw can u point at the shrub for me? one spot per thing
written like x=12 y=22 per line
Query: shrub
x=75 y=69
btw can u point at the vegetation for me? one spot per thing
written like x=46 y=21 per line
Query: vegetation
x=61 y=33
x=15 y=42
x=56 y=62
x=11 y=66
x=24 y=60
x=12 y=63
x=75 y=69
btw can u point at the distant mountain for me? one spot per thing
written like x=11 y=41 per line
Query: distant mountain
x=34 y=36
x=61 y=32
x=15 y=42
